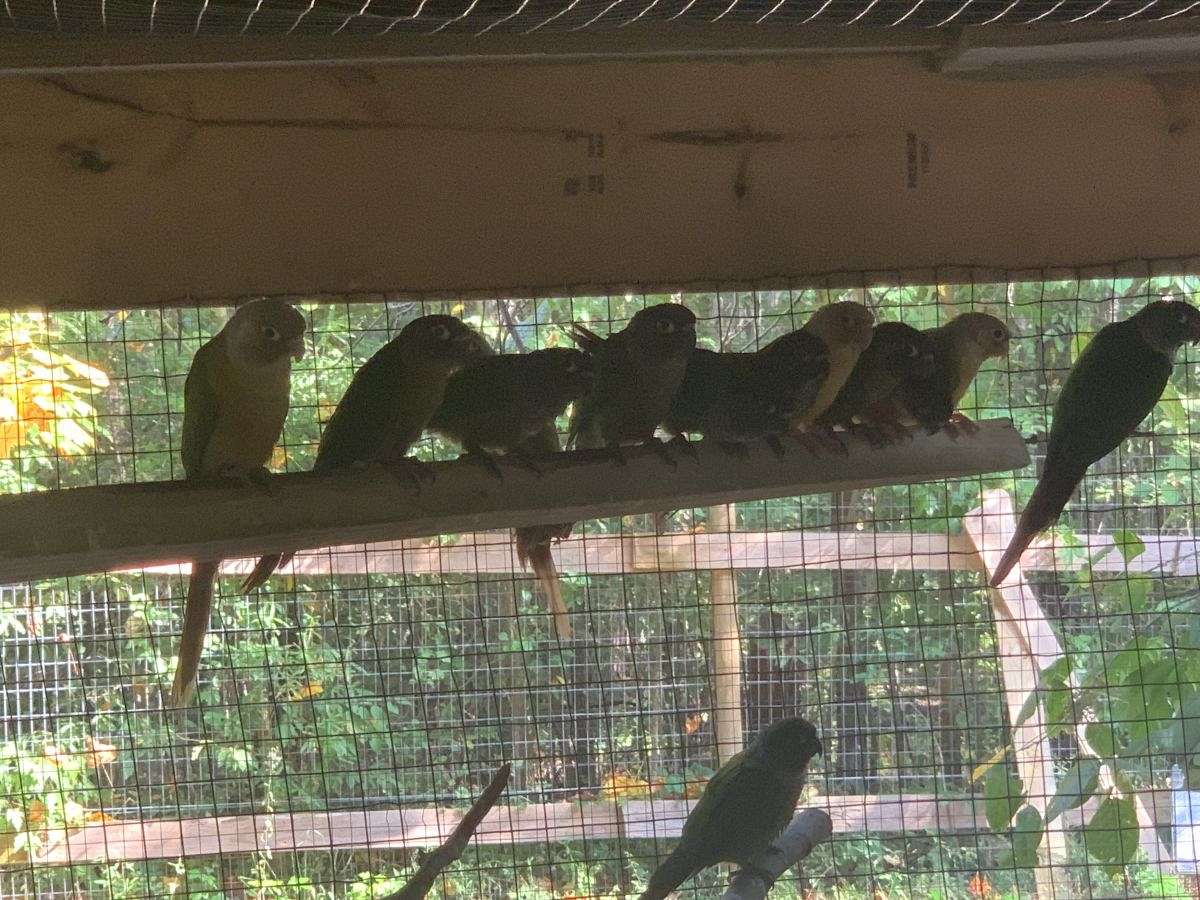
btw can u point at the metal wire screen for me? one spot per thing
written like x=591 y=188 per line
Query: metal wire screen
x=472 y=17
x=357 y=694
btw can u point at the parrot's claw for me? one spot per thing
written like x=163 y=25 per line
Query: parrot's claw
x=960 y=426
x=525 y=461
x=735 y=449
x=484 y=459
x=616 y=454
x=820 y=441
x=773 y=441
x=684 y=446
x=409 y=471
x=256 y=479
x=663 y=451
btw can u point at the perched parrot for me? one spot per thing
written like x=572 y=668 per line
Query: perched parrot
x=846 y=329
x=235 y=401
x=509 y=404
x=896 y=353
x=638 y=372
x=734 y=398
x=1111 y=388
x=499 y=403
x=388 y=404
x=745 y=806
x=960 y=347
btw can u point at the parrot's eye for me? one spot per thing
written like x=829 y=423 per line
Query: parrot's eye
x=665 y=327
x=998 y=334
x=1183 y=317
x=442 y=333
x=572 y=368
x=270 y=333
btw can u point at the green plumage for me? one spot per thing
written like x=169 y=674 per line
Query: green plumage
x=1111 y=388
x=744 y=807
x=638 y=371
x=741 y=396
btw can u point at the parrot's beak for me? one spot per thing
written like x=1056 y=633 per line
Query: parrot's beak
x=296 y=348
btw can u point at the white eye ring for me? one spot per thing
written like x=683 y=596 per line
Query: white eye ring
x=572 y=368
x=1183 y=317
x=443 y=333
x=270 y=333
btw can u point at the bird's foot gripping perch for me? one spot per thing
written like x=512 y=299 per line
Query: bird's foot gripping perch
x=409 y=471
x=819 y=441
x=960 y=426
x=258 y=479
x=484 y=459
x=525 y=461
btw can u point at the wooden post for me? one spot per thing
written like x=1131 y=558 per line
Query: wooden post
x=1027 y=645
x=726 y=647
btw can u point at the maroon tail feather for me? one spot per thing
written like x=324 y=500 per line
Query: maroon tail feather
x=196 y=613
x=533 y=552
x=264 y=568
x=1049 y=497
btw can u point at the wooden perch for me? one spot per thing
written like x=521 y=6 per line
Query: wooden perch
x=436 y=862
x=809 y=828
x=97 y=529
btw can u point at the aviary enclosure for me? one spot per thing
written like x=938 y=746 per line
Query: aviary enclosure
x=1036 y=739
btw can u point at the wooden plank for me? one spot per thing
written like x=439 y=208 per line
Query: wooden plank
x=519 y=178
x=101 y=528
x=1025 y=645
x=1028 y=646
x=396 y=829
x=725 y=647
x=490 y=553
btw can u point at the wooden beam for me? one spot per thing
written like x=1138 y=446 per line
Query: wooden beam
x=491 y=553
x=101 y=528
x=725 y=647
x=1061 y=50
x=38 y=55
x=397 y=829
x=1031 y=646
x=519 y=179
x=1025 y=645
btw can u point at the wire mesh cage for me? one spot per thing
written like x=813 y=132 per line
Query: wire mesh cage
x=374 y=679
x=205 y=18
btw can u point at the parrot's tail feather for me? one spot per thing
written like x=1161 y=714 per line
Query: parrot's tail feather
x=533 y=552
x=674 y=871
x=196 y=614
x=1049 y=497
x=263 y=570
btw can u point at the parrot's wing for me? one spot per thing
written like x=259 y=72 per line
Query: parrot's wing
x=364 y=423
x=201 y=406
x=1112 y=387
x=704 y=386
x=731 y=811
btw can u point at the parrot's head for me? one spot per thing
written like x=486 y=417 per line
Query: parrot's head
x=790 y=743
x=562 y=373
x=441 y=342
x=844 y=325
x=908 y=353
x=267 y=331
x=1166 y=325
x=665 y=330
x=985 y=335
